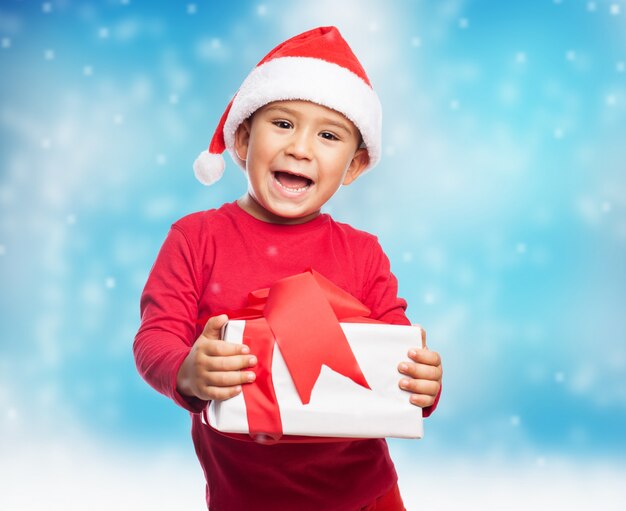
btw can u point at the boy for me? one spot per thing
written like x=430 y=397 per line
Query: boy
x=304 y=122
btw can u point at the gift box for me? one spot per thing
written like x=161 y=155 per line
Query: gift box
x=325 y=369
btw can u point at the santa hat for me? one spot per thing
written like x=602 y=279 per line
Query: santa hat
x=316 y=66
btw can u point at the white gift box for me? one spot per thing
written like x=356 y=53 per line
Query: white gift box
x=339 y=407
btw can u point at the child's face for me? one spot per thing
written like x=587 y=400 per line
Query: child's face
x=297 y=154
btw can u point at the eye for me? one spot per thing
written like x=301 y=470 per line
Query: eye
x=285 y=125
x=328 y=135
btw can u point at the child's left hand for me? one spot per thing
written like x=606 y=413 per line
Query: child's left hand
x=422 y=375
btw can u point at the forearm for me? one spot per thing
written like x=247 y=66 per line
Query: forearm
x=158 y=356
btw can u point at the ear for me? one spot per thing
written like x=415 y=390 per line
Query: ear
x=242 y=139
x=357 y=166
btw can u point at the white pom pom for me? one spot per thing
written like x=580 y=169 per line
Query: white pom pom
x=208 y=167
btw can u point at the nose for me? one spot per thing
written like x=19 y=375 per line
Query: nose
x=300 y=145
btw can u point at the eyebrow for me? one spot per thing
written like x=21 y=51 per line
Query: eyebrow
x=324 y=120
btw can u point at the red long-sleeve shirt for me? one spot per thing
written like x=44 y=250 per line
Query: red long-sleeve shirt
x=209 y=263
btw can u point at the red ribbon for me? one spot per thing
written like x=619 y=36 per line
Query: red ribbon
x=301 y=314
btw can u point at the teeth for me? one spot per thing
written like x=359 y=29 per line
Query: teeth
x=295 y=190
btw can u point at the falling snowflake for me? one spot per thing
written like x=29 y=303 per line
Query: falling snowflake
x=515 y=420
x=570 y=55
x=215 y=288
x=118 y=119
x=455 y=104
x=46 y=143
x=463 y=23
x=46 y=7
x=558 y=133
x=261 y=10
x=620 y=67
x=416 y=42
x=88 y=70
x=174 y=99
x=3 y=250
x=591 y=6
x=103 y=33
x=520 y=57
x=70 y=219
x=520 y=248
x=272 y=251
x=48 y=54
x=559 y=377
x=615 y=9
x=192 y=8
x=109 y=283
x=161 y=159
x=6 y=42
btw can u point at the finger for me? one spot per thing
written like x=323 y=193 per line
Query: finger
x=422 y=387
x=421 y=400
x=220 y=393
x=422 y=334
x=228 y=378
x=213 y=327
x=421 y=371
x=425 y=356
x=213 y=348
x=230 y=363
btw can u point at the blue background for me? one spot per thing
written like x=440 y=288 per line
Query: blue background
x=500 y=200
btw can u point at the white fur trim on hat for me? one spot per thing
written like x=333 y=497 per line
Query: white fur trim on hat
x=208 y=167
x=310 y=79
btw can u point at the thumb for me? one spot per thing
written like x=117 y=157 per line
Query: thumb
x=213 y=328
x=423 y=334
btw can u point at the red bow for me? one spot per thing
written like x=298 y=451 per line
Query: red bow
x=301 y=314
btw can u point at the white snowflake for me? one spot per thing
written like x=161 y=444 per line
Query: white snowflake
x=103 y=33
x=174 y=99
x=570 y=55
x=520 y=57
x=615 y=9
x=109 y=282
x=591 y=6
x=610 y=100
x=88 y=70
x=3 y=250
x=48 y=54
x=463 y=23
x=416 y=42
x=118 y=119
x=192 y=8
x=515 y=420
x=161 y=159
x=6 y=42
x=46 y=143
x=46 y=7
x=558 y=133
x=70 y=219
x=559 y=377
x=455 y=104
x=620 y=67
x=520 y=248
x=261 y=10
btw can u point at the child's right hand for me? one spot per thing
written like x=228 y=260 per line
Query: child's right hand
x=213 y=369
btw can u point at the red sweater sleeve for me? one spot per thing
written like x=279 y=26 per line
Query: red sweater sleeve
x=169 y=308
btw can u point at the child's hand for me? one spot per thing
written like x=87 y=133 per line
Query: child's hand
x=423 y=376
x=213 y=368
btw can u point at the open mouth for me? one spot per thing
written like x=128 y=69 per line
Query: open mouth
x=292 y=182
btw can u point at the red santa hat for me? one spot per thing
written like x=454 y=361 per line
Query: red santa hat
x=317 y=66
